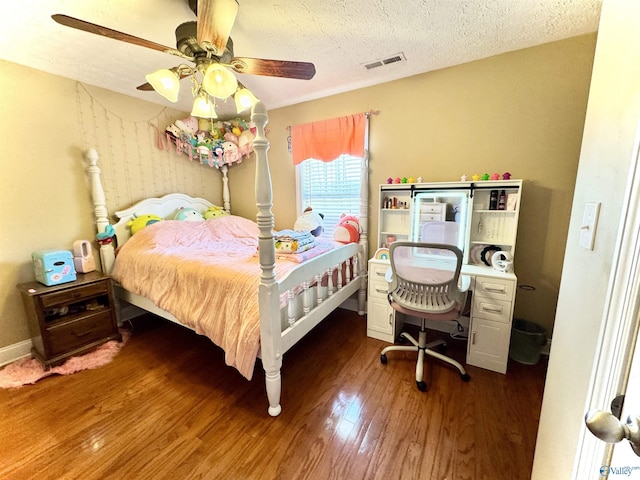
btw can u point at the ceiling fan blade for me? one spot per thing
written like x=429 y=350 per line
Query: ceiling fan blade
x=215 y=20
x=274 y=68
x=109 y=33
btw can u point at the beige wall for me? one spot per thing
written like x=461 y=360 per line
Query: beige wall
x=48 y=122
x=521 y=112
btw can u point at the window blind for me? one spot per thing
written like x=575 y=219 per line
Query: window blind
x=330 y=189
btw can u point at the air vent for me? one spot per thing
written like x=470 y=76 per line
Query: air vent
x=375 y=64
x=399 y=57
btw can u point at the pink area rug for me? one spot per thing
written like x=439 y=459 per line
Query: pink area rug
x=28 y=371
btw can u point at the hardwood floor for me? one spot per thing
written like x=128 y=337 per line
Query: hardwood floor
x=168 y=407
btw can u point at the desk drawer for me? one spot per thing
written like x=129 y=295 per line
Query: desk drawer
x=492 y=287
x=432 y=208
x=377 y=271
x=378 y=289
x=430 y=217
x=491 y=309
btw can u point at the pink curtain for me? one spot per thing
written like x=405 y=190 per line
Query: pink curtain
x=328 y=139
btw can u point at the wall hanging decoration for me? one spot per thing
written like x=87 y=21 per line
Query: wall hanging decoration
x=217 y=144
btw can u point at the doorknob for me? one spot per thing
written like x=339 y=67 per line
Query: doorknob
x=608 y=428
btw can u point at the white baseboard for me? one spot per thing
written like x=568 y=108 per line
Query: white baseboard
x=14 y=352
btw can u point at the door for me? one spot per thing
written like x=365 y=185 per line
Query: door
x=618 y=359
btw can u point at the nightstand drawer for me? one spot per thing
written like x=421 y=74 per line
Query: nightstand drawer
x=74 y=294
x=67 y=336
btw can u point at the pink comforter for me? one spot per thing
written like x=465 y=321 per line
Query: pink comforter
x=204 y=273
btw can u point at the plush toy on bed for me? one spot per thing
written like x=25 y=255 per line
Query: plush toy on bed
x=347 y=230
x=214 y=212
x=188 y=214
x=138 y=223
x=310 y=221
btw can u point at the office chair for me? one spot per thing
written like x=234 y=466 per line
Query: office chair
x=424 y=284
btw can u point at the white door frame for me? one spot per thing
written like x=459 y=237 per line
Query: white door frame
x=619 y=330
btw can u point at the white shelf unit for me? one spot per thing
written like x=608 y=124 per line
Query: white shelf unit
x=394 y=214
x=484 y=227
x=493 y=227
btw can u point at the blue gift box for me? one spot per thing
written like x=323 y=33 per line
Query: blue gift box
x=53 y=267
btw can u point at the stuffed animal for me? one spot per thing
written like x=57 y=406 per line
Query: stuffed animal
x=310 y=221
x=347 y=230
x=231 y=152
x=141 y=221
x=215 y=212
x=188 y=214
x=245 y=142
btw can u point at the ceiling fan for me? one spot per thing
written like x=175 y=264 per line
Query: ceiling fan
x=205 y=43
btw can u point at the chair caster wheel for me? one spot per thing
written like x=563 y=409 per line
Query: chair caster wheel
x=383 y=359
x=422 y=386
x=465 y=377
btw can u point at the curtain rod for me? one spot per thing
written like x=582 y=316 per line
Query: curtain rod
x=367 y=114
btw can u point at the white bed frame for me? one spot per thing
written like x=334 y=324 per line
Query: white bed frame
x=279 y=329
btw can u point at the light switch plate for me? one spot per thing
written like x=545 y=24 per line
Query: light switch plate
x=589 y=224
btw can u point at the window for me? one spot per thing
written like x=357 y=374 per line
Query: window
x=330 y=188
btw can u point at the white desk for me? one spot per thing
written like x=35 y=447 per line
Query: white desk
x=493 y=297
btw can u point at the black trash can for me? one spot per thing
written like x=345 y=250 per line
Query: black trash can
x=527 y=340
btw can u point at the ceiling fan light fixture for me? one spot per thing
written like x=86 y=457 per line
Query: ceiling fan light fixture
x=244 y=99
x=203 y=107
x=219 y=82
x=166 y=82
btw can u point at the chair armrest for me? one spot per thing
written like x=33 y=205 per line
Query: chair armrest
x=464 y=283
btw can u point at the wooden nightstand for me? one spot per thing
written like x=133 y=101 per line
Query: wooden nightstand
x=71 y=318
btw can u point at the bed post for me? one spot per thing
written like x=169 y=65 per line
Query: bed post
x=107 y=253
x=226 y=197
x=269 y=303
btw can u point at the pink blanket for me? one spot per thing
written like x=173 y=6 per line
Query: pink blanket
x=204 y=273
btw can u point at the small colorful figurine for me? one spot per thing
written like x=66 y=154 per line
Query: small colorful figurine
x=506 y=176
x=403 y=180
x=475 y=177
x=485 y=176
x=463 y=178
x=389 y=180
x=411 y=180
x=495 y=176
x=419 y=179
x=397 y=180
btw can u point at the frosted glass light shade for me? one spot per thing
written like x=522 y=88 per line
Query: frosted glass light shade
x=244 y=99
x=166 y=82
x=219 y=82
x=203 y=107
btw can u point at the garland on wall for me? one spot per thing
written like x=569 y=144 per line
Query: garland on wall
x=211 y=143
x=132 y=168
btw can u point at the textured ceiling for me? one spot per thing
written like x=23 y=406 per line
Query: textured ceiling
x=337 y=36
